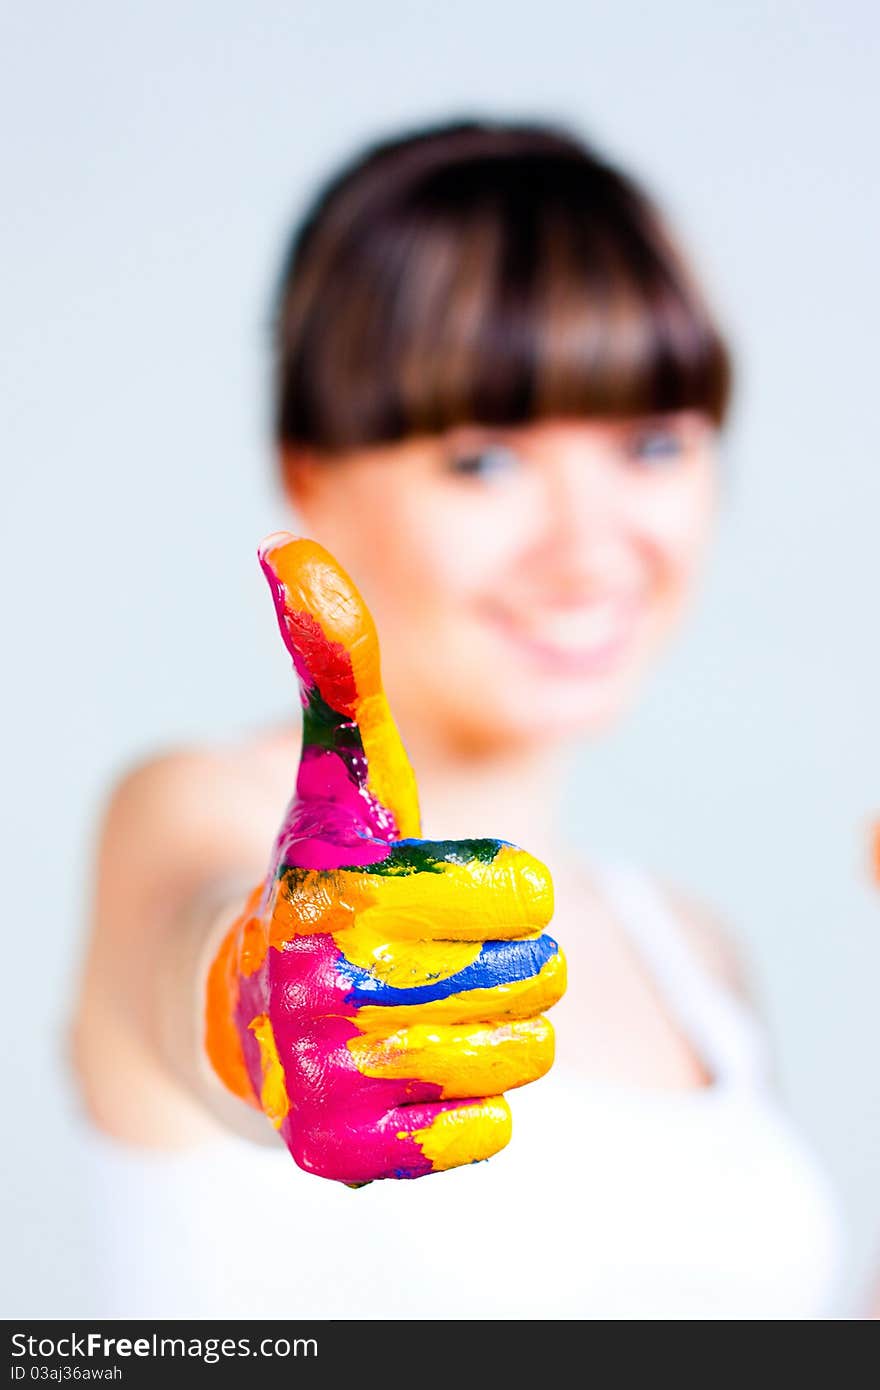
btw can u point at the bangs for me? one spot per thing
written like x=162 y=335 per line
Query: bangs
x=498 y=292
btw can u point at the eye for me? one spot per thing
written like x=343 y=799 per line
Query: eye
x=487 y=463
x=655 y=444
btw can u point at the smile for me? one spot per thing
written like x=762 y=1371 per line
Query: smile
x=586 y=641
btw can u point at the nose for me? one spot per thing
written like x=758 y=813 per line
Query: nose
x=584 y=534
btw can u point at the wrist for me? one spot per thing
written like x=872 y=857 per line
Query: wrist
x=217 y=987
x=199 y=1036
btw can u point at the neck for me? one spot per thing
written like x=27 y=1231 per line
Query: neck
x=502 y=794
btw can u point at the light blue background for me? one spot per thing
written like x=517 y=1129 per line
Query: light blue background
x=153 y=156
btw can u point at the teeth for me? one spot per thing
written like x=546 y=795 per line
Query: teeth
x=577 y=630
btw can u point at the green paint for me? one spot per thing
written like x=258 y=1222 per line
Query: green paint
x=410 y=857
x=323 y=727
x=431 y=856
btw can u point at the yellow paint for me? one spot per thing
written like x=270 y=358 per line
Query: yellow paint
x=476 y=1060
x=464 y=1134
x=404 y=964
x=273 y=1094
x=389 y=774
x=508 y=898
x=519 y=999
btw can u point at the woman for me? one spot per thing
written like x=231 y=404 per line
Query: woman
x=498 y=395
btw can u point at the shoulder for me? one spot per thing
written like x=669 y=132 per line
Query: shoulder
x=712 y=941
x=199 y=786
x=152 y=810
x=173 y=770
x=158 y=779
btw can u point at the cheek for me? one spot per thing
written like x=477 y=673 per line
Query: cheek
x=452 y=546
x=674 y=527
x=419 y=551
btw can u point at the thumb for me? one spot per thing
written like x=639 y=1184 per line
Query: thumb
x=351 y=749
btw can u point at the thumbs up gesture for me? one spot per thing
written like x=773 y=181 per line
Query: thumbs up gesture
x=380 y=992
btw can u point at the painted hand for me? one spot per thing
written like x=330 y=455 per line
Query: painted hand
x=380 y=992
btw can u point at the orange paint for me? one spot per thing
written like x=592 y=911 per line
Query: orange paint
x=222 y=1041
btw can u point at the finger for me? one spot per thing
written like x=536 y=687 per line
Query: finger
x=449 y=1136
x=407 y=1141
x=457 y=891
x=473 y=1060
x=422 y=890
x=520 y=995
x=406 y=982
x=408 y=974
x=352 y=752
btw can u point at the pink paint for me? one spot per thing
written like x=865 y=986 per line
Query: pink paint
x=332 y=820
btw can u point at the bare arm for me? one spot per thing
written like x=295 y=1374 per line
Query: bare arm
x=183 y=841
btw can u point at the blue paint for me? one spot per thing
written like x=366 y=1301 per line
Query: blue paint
x=499 y=963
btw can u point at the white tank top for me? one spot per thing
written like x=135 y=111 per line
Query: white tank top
x=610 y=1201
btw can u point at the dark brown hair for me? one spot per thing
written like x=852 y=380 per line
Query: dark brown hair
x=486 y=274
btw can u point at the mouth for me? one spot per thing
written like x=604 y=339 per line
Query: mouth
x=586 y=641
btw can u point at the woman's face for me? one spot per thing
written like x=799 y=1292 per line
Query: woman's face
x=521 y=579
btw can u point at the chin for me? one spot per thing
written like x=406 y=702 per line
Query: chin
x=566 y=724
